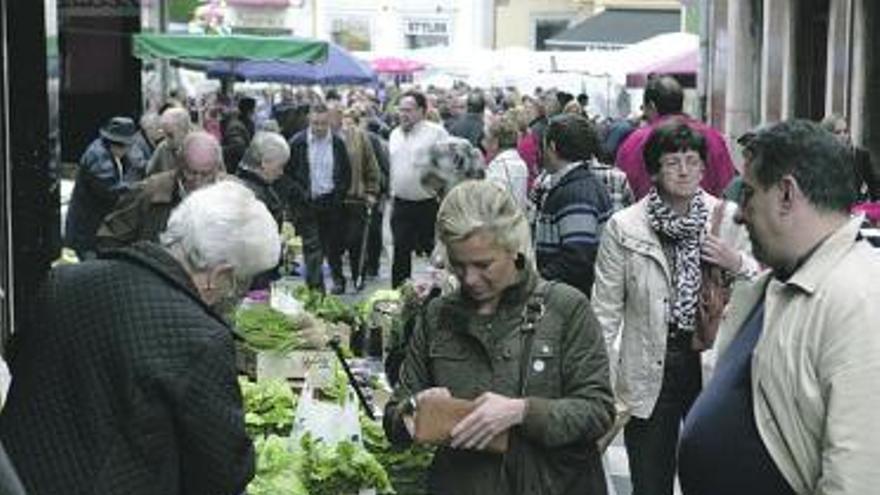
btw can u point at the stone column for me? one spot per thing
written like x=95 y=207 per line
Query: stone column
x=839 y=50
x=719 y=52
x=741 y=110
x=777 y=61
x=865 y=102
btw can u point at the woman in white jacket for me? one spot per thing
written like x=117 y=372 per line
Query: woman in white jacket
x=646 y=292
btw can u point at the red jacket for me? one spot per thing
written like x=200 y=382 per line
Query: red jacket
x=719 y=166
x=528 y=147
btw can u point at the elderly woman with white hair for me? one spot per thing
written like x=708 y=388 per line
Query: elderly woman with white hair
x=261 y=167
x=124 y=369
x=526 y=354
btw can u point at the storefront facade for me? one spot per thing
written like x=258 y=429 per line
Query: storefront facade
x=770 y=60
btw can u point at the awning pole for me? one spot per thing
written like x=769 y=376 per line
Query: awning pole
x=164 y=69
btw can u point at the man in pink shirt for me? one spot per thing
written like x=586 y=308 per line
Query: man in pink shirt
x=663 y=100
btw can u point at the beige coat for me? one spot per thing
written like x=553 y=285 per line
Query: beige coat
x=816 y=366
x=364 y=167
x=630 y=297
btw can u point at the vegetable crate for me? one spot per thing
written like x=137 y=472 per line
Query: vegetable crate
x=261 y=365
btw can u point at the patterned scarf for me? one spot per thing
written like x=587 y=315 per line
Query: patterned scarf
x=685 y=234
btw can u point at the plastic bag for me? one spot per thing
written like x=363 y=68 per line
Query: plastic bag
x=328 y=421
x=281 y=298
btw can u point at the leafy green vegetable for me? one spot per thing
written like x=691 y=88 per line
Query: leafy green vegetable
x=342 y=469
x=265 y=328
x=269 y=406
x=407 y=467
x=277 y=469
x=327 y=307
x=337 y=391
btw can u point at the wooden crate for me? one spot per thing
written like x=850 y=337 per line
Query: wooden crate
x=291 y=366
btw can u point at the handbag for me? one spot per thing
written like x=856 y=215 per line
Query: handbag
x=715 y=292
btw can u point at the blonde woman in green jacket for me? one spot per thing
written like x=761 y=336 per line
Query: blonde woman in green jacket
x=528 y=352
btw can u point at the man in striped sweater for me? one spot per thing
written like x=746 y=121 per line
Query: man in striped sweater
x=574 y=206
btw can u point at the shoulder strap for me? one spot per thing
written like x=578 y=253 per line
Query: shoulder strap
x=532 y=313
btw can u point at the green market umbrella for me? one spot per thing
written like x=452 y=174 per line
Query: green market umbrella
x=229 y=48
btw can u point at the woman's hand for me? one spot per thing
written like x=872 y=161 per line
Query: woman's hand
x=493 y=415
x=409 y=420
x=717 y=252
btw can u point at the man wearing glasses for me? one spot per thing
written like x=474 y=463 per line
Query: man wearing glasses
x=792 y=402
x=143 y=213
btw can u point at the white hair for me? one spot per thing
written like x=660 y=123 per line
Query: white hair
x=224 y=223
x=150 y=120
x=176 y=117
x=265 y=146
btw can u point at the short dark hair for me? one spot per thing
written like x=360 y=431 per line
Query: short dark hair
x=820 y=163
x=574 y=136
x=318 y=107
x=672 y=136
x=562 y=98
x=476 y=103
x=246 y=105
x=419 y=97
x=665 y=93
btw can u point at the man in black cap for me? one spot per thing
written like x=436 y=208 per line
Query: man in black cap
x=105 y=171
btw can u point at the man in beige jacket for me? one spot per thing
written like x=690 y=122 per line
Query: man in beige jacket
x=791 y=406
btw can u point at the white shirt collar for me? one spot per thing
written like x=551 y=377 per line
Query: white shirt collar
x=557 y=176
x=315 y=139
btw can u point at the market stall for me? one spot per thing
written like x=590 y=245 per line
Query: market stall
x=315 y=414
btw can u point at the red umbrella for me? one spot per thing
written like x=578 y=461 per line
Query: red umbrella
x=395 y=65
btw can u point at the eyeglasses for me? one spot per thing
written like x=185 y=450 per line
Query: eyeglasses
x=690 y=164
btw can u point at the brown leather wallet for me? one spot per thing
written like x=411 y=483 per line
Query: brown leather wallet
x=436 y=416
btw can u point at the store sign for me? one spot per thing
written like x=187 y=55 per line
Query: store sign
x=426 y=27
x=424 y=33
x=263 y=19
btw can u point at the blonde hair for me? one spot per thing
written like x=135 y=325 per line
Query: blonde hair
x=484 y=206
x=433 y=115
x=505 y=130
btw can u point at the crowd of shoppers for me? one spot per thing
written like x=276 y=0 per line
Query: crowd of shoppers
x=583 y=264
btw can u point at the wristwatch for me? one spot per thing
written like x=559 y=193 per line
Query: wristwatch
x=409 y=406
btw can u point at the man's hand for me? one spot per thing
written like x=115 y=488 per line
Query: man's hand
x=493 y=415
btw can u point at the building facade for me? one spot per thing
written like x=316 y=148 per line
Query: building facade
x=528 y=23
x=770 y=60
x=380 y=26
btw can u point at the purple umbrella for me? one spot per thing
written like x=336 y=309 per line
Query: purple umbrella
x=340 y=68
